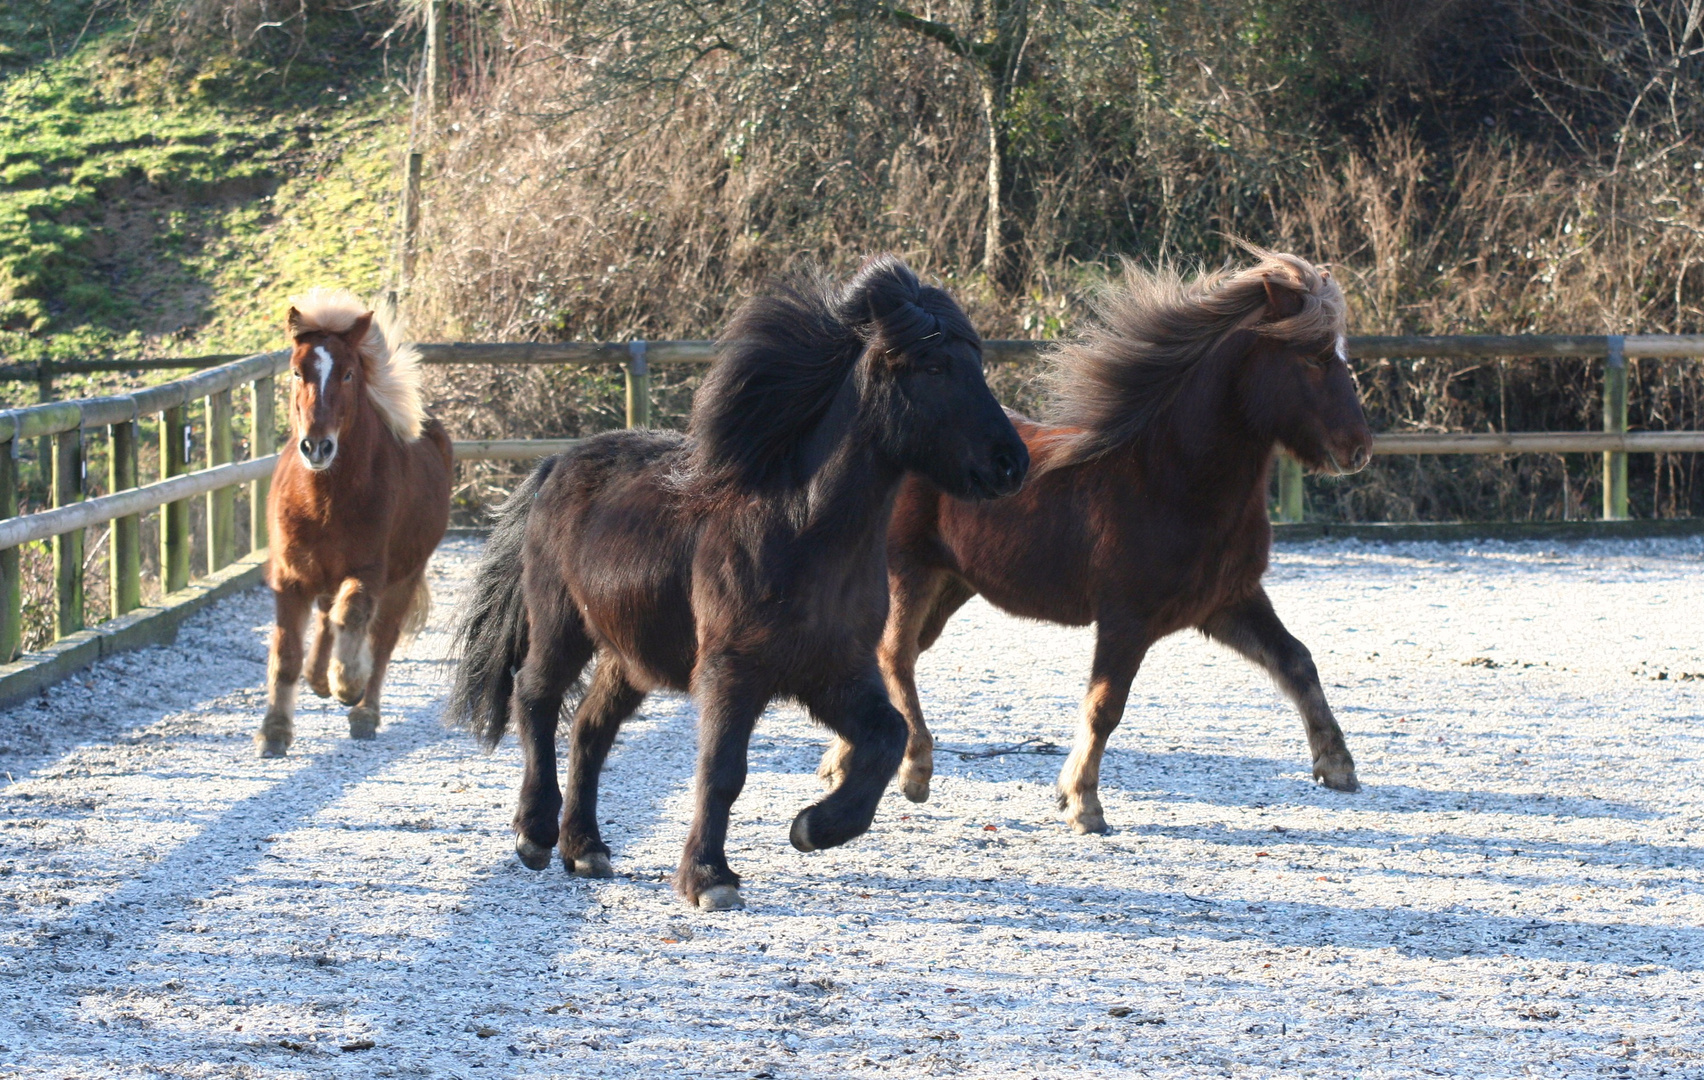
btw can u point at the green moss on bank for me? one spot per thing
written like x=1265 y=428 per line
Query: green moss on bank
x=155 y=206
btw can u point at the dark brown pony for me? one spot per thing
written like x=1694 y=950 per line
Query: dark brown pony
x=1146 y=511
x=745 y=561
x=359 y=501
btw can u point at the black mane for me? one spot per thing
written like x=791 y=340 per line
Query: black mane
x=786 y=354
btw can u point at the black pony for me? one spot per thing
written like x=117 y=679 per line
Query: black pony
x=745 y=561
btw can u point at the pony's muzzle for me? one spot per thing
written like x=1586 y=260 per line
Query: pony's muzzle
x=317 y=453
x=1010 y=468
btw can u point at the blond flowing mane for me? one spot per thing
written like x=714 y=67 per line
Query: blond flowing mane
x=1154 y=328
x=393 y=370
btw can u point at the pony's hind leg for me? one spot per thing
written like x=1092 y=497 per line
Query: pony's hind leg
x=557 y=651
x=1253 y=629
x=319 y=664
x=609 y=701
x=866 y=721
x=1117 y=657
x=922 y=602
x=393 y=610
x=352 y=652
x=283 y=668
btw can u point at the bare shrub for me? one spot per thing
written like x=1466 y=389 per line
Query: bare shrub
x=1528 y=166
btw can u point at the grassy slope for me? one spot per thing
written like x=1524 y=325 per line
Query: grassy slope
x=150 y=207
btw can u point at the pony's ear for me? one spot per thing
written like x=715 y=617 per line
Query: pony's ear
x=293 y=322
x=357 y=332
x=1282 y=301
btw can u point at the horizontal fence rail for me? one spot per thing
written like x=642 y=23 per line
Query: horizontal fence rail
x=63 y=426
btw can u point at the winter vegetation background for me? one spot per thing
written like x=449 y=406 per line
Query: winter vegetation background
x=171 y=169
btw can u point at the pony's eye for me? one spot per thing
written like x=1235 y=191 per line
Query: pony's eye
x=347 y=375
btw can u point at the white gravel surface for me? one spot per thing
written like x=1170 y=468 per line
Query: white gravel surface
x=1515 y=892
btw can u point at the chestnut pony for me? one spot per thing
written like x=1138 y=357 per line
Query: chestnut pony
x=360 y=499
x=745 y=560
x=1146 y=511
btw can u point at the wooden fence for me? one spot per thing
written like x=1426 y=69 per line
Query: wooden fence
x=64 y=426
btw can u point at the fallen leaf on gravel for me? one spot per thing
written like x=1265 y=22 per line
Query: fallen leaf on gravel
x=1263 y=854
x=1120 y=1010
x=565 y=1007
x=1533 y=1012
x=485 y=1032
x=358 y=1044
x=290 y=1045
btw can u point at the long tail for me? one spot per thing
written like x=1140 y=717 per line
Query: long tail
x=491 y=636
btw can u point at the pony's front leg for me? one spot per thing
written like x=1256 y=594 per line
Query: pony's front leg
x=874 y=735
x=283 y=668
x=731 y=700
x=1253 y=629
x=1118 y=654
x=399 y=598
x=352 y=652
x=319 y=661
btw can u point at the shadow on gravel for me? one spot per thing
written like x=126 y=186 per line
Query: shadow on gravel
x=1580 y=855
x=427 y=992
x=82 y=708
x=1093 y=910
x=1217 y=779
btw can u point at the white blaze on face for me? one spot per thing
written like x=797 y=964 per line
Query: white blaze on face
x=324 y=364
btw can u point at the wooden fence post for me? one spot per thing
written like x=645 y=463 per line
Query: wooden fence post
x=175 y=435
x=437 y=59
x=44 y=445
x=411 y=217
x=68 y=546
x=1289 y=488
x=1615 y=420
x=11 y=584
x=261 y=439
x=124 y=551
x=638 y=386
x=222 y=502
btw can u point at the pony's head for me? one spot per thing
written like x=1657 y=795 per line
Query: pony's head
x=341 y=363
x=922 y=363
x=1277 y=326
x=1295 y=385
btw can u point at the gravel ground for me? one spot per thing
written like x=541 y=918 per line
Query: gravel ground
x=1515 y=892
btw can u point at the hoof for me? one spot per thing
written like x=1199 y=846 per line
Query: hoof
x=800 y=834
x=1085 y=824
x=363 y=723
x=594 y=864
x=533 y=856
x=917 y=790
x=721 y=898
x=349 y=693
x=273 y=746
x=1337 y=772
